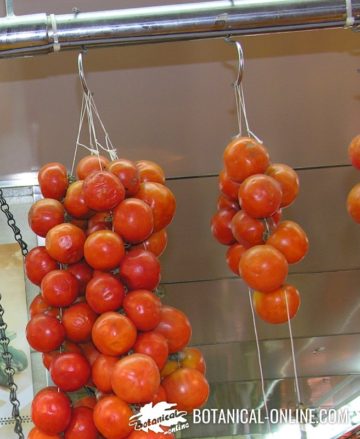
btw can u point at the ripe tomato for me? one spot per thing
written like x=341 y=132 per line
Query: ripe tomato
x=35 y=433
x=263 y=268
x=44 y=333
x=247 y=229
x=159 y=396
x=38 y=262
x=70 y=371
x=44 y=215
x=105 y=293
x=188 y=388
x=161 y=200
x=65 y=243
x=135 y=378
x=99 y=221
x=141 y=434
x=156 y=243
x=74 y=201
x=228 y=187
x=59 y=288
x=175 y=327
x=244 y=157
x=104 y=250
x=140 y=269
x=128 y=174
x=143 y=308
x=221 y=226
x=260 y=196
x=83 y=273
x=291 y=240
x=150 y=171
x=353 y=203
x=86 y=401
x=53 y=180
x=233 y=256
x=169 y=368
x=51 y=411
x=271 y=307
x=193 y=359
x=89 y=164
x=78 y=321
x=101 y=372
x=81 y=425
x=224 y=202
x=113 y=334
x=103 y=191
x=354 y=152
x=154 y=345
x=112 y=417
x=288 y=179
x=90 y=352
x=67 y=346
x=40 y=306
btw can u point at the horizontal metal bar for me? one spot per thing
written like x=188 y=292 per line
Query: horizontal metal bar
x=35 y=34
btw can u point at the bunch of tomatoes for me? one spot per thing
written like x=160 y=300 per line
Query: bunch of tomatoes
x=97 y=320
x=353 y=199
x=248 y=220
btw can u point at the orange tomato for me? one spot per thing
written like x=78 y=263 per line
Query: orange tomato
x=354 y=152
x=150 y=171
x=112 y=416
x=353 y=203
x=288 y=180
x=89 y=164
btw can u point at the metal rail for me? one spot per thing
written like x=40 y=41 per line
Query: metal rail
x=42 y=33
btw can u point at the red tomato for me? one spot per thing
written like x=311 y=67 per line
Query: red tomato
x=156 y=243
x=89 y=164
x=35 y=433
x=99 y=221
x=193 y=359
x=154 y=345
x=263 y=268
x=44 y=333
x=260 y=196
x=135 y=378
x=128 y=174
x=271 y=307
x=105 y=293
x=44 y=215
x=354 y=152
x=38 y=263
x=81 y=425
x=101 y=372
x=104 y=250
x=86 y=401
x=78 y=321
x=188 y=388
x=233 y=256
x=288 y=179
x=51 y=411
x=83 y=273
x=141 y=434
x=53 y=180
x=112 y=417
x=140 y=269
x=221 y=226
x=244 y=157
x=40 y=306
x=113 y=334
x=291 y=240
x=161 y=200
x=67 y=346
x=353 y=203
x=159 y=396
x=247 y=229
x=70 y=371
x=90 y=352
x=59 y=288
x=74 y=201
x=150 y=171
x=224 y=202
x=143 y=308
x=175 y=327
x=65 y=243
x=103 y=191
x=228 y=187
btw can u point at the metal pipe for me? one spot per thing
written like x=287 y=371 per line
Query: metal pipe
x=33 y=34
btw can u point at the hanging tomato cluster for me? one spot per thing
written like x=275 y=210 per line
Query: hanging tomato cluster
x=248 y=220
x=98 y=320
x=353 y=199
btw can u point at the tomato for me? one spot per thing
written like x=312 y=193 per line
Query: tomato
x=45 y=214
x=81 y=223
x=247 y=229
x=291 y=240
x=154 y=345
x=193 y=359
x=169 y=368
x=53 y=180
x=353 y=203
x=354 y=152
x=260 y=196
x=35 y=433
x=263 y=268
x=65 y=243
x=143 y=308
x=221 y=226
x=140 y=269
x=44 y=333
x=133 y=220
x=288 y=179
x=38 y=262
x=105 y=293
x=78 y=321
x=135 y=378
x=101 y=372
x=141 y=434
x=233 y=256
x=244 y=157
x=275 y=219
x=83 y=273
x=103 y=191
x=59 y=288
x=81 y=425
x=89 y=164
x=161 y=200
x=67 y=346
x=99 y=221
x=228 y=187
x=224 y=202
x=128 y=174
x=86 y=401
x=104 y=250
x=90 y=352
x=188 y=388
x=40 y=306
x=74 y=201
x=150 y=171
x=271 y=307
x=175 y=327
x=159 y=396
x=51 y=411
x=156 y=243
x=113 y=334
x=70 y=371
x=112 y=417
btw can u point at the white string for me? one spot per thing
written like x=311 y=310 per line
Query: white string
x=350 y=20
x=55 y=36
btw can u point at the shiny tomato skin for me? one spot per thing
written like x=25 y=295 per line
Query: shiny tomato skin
x=81 y=425
x=154 y=345
x=74 y=201
x=35 y=433
x=169 y=368
x=65 y=243
x=354 y=152
x=159 y=396
x=143 y=308
x=111 y=417
x=228 y=187
x=70 y=371
x=247 y=229
x=105 y=293
x=150 y=171
x=89 y=164
x=353 y=203
x=288 y=180
x=104 y=250
x=103 y=191
x=233 y=256
x=90 y=352
x=221 y=226
x=67 y=346
x=192 y=358
x=156 y=243
x=127 y=173
x=271 y=307
x=59 y=288
x=101 y=372
x=78 y=321
x=135 y=378
x=224 y=202
x=53 y=180
x=44 y=333
x=40 y=306
x=38 y=263
x=83 y=274
x=44 y=215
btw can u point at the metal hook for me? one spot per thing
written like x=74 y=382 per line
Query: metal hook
x=240 y=53
x=82 y=74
